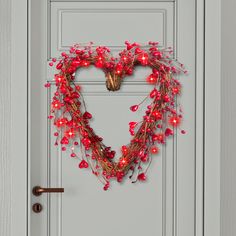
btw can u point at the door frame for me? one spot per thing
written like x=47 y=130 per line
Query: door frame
x=15 y=179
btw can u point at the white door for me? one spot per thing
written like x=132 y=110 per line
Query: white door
x=165 y=204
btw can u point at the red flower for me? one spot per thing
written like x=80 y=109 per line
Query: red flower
x=175 y=90
x=154 y=150
x=152 y=79
x=56 y=104
x=143 y=59
x=61 y=122
x=157 y=115
x=70 y=133
x=83 y=164
x=86 y=142
x=159 y=138
x=59 y=79
x=174 y=121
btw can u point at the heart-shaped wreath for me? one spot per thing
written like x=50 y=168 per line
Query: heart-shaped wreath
x=162 y=115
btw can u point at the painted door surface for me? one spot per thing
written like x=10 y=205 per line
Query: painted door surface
x=165 y=204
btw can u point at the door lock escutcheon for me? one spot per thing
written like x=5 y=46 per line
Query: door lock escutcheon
x=37 y=207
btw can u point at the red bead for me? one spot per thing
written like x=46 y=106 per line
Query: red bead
x=138 y=50
x=77 y=87
x=153 y=93
x=166 y=98
x=73 y=154
x=83 y=164
x=123 y=162
x=134 y=108
x=168 y=132
x=175 y=90
x=47 y=85
x=157 y=115
x=142 y=177
x=85 y=63
x=106 y=186
x=119 y=68
x=75 y=63
x=132 y=133
x=59 y=65
x=124 y=150
x=183 y=132
x=70 y=133
x=63 y=54
x=158 y=137
x=132 y=124
x=144 y=158
x=87 y=115
x=65 y=140
x=124 y=58
x=86 y=142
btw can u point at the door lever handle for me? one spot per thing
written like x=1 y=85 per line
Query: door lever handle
x=37 y=190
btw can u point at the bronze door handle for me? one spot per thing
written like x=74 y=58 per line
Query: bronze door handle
x=37 y=190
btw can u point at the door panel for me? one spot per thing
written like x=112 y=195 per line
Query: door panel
x=165 y=204
x=73 y=22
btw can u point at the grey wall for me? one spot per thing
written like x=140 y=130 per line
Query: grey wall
x=5 y=122
x=228 y=119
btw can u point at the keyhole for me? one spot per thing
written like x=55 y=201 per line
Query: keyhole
x=37 y=207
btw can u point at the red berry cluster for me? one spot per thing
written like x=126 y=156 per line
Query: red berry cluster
x=72 y=121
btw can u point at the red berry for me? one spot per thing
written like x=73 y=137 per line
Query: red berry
x=142 y=177
x=134 y=108
x=132 y=124
x=153 y=93
x=87 y=115
x=124 y=150
x=168 y=132
x=166 y=98
x=59 y=65
x=47 y=85
x=65 y=140
x=73 y=154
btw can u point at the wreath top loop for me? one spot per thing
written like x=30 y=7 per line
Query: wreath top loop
x=71 y=119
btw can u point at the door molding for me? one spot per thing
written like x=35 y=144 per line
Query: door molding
x=14 y=160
